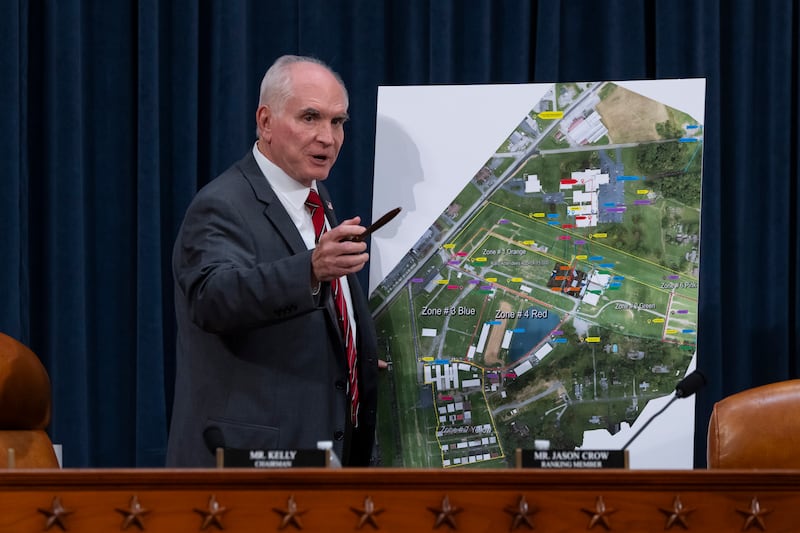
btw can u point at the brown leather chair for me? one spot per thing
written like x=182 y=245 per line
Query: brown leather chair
x=24 y=408
x=757 y=428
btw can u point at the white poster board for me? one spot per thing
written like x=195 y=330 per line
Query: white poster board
x=541 y=280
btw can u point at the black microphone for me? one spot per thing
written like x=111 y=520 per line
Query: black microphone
x=685 y=388
x=213 y=438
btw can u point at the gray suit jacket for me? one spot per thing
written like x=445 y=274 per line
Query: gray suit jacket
x=260 y=363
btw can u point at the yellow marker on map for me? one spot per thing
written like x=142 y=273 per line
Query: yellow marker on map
x=642 y=191
x=441 y=281
x=582 y=257
x=480 y=259
x=427 y=359
x=551 y=115
x=658 y=321
x=600 y=235
x=539 y=215
x=491 y=280
x=517 y=280
x=449 y=246
x=575 y=207
x=528 y=243
x=592 y=339
x=671 y=331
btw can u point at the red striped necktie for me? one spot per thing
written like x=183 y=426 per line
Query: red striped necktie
x=314 y=205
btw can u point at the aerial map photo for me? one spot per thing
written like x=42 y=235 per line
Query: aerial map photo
x=557 y=292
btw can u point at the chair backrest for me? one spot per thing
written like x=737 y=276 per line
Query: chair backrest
x=756 y=428
x=24 y=407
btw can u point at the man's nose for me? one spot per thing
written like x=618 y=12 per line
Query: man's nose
x=325 y=133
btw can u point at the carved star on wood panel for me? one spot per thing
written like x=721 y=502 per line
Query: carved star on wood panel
x=520 y=513
x=367 y=514
x=212 y=514
x=291 y=515
x=55 y=514
x=133 y=514
x=677 y=515
x=446 y=514
x=755 y=515
x=599 y=514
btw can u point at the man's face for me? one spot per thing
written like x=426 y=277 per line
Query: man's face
x=305 y=136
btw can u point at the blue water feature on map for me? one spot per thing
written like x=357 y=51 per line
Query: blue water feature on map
x=536 y=329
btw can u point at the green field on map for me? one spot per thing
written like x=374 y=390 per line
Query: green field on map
x=556 y=294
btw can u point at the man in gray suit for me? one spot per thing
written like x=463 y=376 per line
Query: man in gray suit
x=276 y=346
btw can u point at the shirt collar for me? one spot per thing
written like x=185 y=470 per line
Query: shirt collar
x=290 y=189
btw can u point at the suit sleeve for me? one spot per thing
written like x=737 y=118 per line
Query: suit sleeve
x=229 y=283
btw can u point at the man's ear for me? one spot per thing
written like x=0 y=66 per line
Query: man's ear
x=264 y=122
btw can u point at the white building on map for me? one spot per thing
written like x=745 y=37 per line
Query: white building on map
x=507 y=339
x=585 y=203
x=532 y=184
x=582 y=131
x=483 y=337
x=597 y=285
x=445 y=377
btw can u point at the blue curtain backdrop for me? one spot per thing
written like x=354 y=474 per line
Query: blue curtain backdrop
x=112 y=114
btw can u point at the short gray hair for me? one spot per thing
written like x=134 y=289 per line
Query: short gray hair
x=276 y=86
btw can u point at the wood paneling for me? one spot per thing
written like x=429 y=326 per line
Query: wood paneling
x=175 y=501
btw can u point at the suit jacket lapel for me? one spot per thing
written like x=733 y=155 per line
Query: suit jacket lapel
x=327 y=205
x=273 y=210
x=352 y=279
